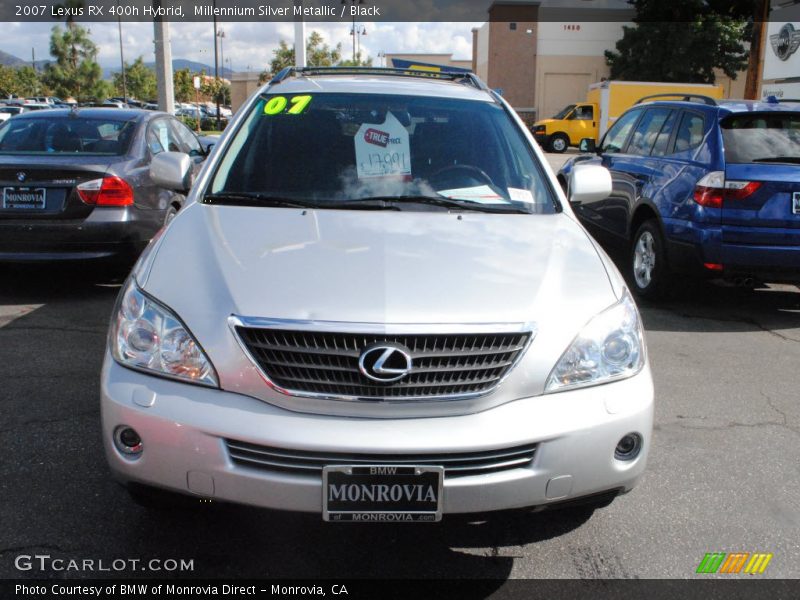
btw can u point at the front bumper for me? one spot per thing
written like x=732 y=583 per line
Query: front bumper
x=184 y=427
x=542 y=139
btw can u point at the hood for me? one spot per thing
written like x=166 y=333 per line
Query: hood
x=380 y=267
x=544 y=122
x=377 y=267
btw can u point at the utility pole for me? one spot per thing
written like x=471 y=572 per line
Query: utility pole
x=299 y=38
x=754 y=67
x=166 y=93
x=122 y=56
x=216 y=65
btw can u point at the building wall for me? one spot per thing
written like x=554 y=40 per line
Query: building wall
x=481 y=66
x=781 y=73
x=562 y=80
x=243 y=85
x=512 y=53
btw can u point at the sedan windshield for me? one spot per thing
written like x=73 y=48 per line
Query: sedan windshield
x=381 y=151
x=64 y=134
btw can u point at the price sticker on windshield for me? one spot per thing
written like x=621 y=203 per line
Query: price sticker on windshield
x=382 y=150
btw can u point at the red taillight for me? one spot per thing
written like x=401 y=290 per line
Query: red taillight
x=713 y=266
x=712 y=189
x=108 y=191
x=710 y=197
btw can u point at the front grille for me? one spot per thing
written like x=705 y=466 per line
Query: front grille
x=299 y=462
x=443 y=365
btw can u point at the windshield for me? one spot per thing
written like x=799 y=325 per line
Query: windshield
x=65 y=134
x=328 y=149
x=762 y=137
x=564 y=112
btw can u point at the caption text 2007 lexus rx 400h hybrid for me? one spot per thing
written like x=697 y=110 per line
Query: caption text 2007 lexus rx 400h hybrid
x=377 y=305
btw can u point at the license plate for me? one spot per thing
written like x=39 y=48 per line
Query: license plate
x=24 y=198
x=382 y=493
x=796 y=203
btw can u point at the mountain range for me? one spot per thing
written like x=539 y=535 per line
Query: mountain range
x=177 y=63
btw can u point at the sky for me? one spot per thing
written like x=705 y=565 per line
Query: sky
x=246 y=45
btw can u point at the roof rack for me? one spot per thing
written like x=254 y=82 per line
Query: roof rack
x=459 y=76
x=708 y=100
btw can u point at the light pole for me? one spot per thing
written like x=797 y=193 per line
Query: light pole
x=122 y=56
x=353 y=30
x=216 y=63
x=221 y=36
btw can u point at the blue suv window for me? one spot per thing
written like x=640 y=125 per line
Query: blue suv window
x=690 y=132
x=618 y=134
x=644 y=137
x=766 y=137
x=661 y=147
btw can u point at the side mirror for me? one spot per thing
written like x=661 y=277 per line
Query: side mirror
x=172 y=170
x=589 y=183
x=587 y=145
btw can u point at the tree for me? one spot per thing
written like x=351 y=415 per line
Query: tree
x=358 y=62
x=140 y=81
x=28 y=81
x=318 y=54
x=183 y=85
x=216 y=89
x=682 y=41
x=75 y=71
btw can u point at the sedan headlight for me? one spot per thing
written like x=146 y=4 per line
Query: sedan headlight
x=148 y=336
x=610 y=347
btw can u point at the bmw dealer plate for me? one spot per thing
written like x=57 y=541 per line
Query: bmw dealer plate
x=796 y=203
x=382 y=493
x=23 y=198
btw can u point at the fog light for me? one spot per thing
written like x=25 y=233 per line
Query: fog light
x=628 y=447
x=128 y=441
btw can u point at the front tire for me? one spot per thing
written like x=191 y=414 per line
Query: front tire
x=559 y=143
x=648 y=262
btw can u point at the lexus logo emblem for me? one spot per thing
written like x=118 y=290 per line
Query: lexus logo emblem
x=785 y=42
x=21 y=176
x=384 y=362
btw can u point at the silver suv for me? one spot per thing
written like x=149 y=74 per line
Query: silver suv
x=377 y=305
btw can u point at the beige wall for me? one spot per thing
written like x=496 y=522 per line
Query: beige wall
x=734 y=88
x=243 y=85
x=562 y=80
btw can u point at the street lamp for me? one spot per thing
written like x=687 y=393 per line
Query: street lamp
x=121 y=55
x=353 y=30
x=357 y=32
x=221 y=36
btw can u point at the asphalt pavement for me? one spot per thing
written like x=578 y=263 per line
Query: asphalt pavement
x=723 y=473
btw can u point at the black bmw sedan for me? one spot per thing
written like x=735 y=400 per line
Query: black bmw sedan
x=75 y=184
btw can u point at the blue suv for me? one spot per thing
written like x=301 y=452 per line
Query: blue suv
x=700 y=187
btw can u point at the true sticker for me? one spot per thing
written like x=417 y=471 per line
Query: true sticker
x=382 y=149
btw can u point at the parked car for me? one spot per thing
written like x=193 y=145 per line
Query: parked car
x=76 y=184
x=701 y=188
x=8 y=111
x=377 y=305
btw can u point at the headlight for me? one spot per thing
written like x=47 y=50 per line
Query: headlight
x=610 y=347
x=148 y=336
x=539 y=129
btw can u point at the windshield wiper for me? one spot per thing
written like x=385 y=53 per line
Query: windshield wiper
x=442 y=201
x=779 y=159
x=256 y=199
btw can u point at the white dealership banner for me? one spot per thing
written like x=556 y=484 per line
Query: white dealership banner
x=782 y=52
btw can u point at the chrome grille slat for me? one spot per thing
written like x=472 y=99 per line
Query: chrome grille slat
x=307 y=462
x=325 y=363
